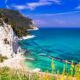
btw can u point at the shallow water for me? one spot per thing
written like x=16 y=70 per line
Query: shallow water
x=61 y=43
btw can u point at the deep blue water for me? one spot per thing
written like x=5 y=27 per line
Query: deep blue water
x=60 y=43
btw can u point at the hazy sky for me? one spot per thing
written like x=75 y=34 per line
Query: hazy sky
x=48 y=13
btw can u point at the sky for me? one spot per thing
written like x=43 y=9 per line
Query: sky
x=47 y=13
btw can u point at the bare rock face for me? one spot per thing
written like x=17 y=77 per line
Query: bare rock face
x=8 y=40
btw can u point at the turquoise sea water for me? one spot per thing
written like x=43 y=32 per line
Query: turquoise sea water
x=60 y=43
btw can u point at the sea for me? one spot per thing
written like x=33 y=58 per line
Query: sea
x=52 y=44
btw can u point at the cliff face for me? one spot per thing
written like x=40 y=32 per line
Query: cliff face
x=12 y=26
x=8 y=40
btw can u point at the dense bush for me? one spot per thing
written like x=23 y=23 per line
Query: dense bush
x=19 y=23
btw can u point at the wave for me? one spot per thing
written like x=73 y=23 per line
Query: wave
x=27 y=37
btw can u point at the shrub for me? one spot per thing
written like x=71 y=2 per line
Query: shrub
x=2 y=58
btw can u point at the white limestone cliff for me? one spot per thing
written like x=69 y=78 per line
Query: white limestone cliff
x=8 y=40
x=9 y=47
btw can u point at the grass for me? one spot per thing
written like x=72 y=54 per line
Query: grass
x=9 y=74
x=72 y=74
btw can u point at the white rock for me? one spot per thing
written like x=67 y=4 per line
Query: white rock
x=8 y=41
x=37 y=70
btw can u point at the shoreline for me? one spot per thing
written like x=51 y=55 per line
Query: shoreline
x=17 y=62
x=34 y=29
x=27 y=37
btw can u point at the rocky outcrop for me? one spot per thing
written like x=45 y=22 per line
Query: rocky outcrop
x=13 y=25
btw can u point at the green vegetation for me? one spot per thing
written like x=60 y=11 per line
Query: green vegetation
x=10 y=74
x=2 y=58
x=19 y=23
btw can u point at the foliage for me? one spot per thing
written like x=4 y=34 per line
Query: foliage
x=19 y=23
x=9 y=74
x=2 y=58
